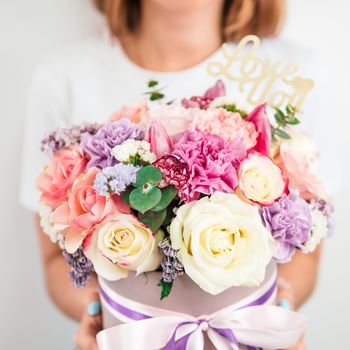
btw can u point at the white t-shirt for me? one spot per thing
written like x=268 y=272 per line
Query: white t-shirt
x=91 y=80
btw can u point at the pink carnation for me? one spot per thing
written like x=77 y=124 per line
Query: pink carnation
x=230 y=126
x=211 y=162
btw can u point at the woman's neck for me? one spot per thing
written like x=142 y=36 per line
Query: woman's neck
x=169 y=39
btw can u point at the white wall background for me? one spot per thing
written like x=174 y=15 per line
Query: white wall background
x=31 y=29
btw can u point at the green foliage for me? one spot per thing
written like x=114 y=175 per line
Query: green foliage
x=166 y=288
x=231 y=107
x=168 y=194
x=153 y=219
x=145 y=197
x=148 y=175
x=283 y=120
x=154 y=92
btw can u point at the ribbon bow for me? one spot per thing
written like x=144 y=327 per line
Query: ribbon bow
x=253 y=325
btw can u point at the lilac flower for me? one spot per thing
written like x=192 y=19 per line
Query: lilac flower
x=81 y=267
x=289 y=221
x=171 y=265
x=115 y=179
x=66 y=136
x=99 y=146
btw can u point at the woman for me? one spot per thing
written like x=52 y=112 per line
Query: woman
x=170 y=41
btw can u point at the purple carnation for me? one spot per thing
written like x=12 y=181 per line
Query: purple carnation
x=99 y=146
x=289 y=221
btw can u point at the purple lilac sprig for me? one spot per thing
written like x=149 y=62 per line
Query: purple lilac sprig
x=171 y=265
x=67 y=136
x=100 y=145
x=81 y=267
x=289 y=221
x=115 y=179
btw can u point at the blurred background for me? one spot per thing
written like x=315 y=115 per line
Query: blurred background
x=29 y=30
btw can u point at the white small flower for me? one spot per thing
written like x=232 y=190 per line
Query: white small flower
x=125 y=150
x=318 y=232
x=149 y=157
x=145 y=146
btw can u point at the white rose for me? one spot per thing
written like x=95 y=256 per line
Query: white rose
x=120 y=245
x=222 y=242
x=318 y=232
x=50 y=229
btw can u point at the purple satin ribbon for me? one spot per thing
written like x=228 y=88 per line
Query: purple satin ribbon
x=181 y=343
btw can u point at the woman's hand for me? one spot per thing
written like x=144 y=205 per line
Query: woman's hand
x=286 y=299
x=90 y=325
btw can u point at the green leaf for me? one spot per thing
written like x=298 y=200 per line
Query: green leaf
x=160 y=235
x=126 y=196
x=166 y=288
x=149 y=174
x=153 y=219
x=169 y=216
x=282 y=134
x=280 y=117
x=152 y=83
x=293 y=121
x=144 y=198
x=291 y=110
x=168 y=194
x=156 y=95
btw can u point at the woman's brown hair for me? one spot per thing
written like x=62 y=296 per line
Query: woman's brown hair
x=239 y=17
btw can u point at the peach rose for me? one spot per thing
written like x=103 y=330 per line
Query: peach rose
x=132 y=112
x=298 y=159
x=261 y=180
x=85 y=208
x=65 y=167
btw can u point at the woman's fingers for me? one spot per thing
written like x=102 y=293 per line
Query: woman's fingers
x=90 y=325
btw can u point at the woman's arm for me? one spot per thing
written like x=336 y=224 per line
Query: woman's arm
x=70 y=300
x=301 y=276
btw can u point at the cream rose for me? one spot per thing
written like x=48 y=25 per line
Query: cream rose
x=221 y=242
x=260 y=179
x=122 y=244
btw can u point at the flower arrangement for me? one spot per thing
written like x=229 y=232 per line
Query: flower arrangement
x=202 y=188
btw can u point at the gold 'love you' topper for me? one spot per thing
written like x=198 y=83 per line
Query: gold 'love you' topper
x=262 y=79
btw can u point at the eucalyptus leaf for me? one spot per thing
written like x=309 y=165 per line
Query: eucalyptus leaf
x=168 y=194
x=142 y=199
x=153 y=219
x=293 y=121
x=125 y=196
x=282 y=134
x=149 y=174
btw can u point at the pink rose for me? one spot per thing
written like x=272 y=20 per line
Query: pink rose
x=159 y=139
x=85 y=208
x=297 y=158
x=132 y=112
x=261 y=180
x=65 y=167
x=262 y=124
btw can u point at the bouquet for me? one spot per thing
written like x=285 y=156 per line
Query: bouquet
x=205 y=187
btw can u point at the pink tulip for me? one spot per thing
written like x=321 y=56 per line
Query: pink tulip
x=262 y=124
x=159 y=139
x=217 y=90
